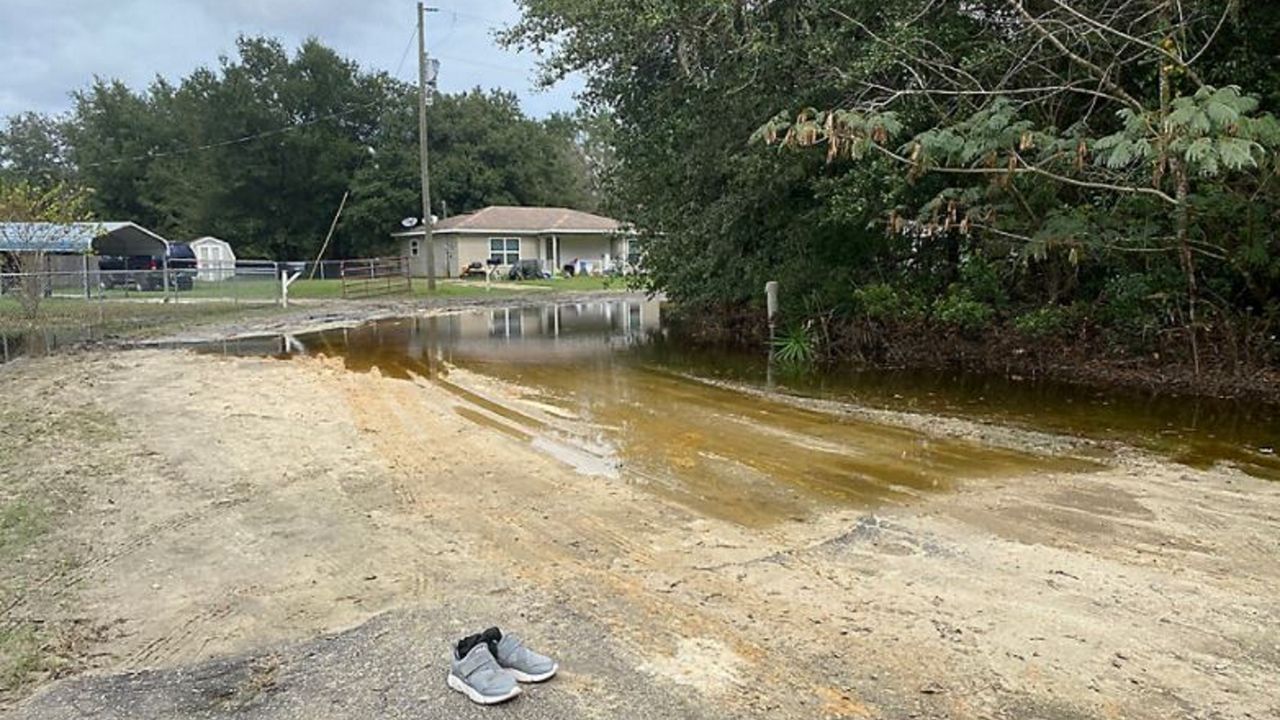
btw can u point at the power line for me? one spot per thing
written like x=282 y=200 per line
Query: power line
x=493 y=22
x=237 y=141
x=477 y=63
x=332 y=116
x=256 y=136
x=404 y=56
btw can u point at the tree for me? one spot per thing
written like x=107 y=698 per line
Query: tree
x=589 y=149
x=261 y=148
x=976 y=173
x=1105 y=102
x=34 y=218
x=33 y=147
x=484 y=151
x=683 y=85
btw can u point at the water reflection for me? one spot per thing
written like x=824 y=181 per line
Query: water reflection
x=518 y=335
x=603 y=337
x=600 y=369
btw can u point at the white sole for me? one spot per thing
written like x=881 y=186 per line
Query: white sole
x=477 y=698
x=525 y=678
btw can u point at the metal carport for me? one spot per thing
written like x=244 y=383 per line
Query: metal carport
x=104 y=238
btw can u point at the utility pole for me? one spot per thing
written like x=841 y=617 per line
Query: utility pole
x=423 y=100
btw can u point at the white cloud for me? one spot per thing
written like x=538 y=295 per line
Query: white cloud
x=49 y=48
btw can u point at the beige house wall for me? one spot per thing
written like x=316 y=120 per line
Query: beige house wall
x=475 y=248
x=455 y=251
x=446 y=252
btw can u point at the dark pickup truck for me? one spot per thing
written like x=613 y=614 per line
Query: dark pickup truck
x=144 y=272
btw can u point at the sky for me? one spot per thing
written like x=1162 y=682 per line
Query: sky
x=49 y=48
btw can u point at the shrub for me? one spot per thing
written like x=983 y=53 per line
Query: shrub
x=1042 y=323
x=959 y=311
x=982 y=282
x=882 y=302
x=1131 y=306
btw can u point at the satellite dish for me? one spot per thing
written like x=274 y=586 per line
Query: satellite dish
x=409 y=222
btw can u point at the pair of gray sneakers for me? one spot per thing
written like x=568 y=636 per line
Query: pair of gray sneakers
x=488 y=667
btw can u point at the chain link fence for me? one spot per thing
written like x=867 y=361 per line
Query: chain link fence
x=43 y=311
x=247 y=281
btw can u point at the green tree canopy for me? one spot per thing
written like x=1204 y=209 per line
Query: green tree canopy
x=974 y=162
x=260 y=149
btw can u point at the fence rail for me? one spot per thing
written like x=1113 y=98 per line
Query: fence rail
x=247 y=281
x=375 y=277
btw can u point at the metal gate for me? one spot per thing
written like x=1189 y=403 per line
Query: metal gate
x=375 y=277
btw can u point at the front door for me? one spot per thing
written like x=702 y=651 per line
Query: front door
x=552 y=254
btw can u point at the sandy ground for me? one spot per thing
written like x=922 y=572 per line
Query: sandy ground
x=238 y=537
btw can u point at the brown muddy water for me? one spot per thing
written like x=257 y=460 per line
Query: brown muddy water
x=610 y=389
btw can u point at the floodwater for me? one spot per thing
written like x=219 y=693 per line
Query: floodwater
x=611 y=390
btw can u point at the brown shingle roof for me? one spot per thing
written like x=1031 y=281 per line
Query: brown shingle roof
x=528 y=220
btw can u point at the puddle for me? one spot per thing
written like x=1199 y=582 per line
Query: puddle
x=614 y=392
x=1196 y=431
x=603 y=398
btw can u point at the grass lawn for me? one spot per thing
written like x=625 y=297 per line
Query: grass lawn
x=138 y=319
x=581 y=283
x=267 y=289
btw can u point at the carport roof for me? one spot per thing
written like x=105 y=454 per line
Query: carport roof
x=105 y=238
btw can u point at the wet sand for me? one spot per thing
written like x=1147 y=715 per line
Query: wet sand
x=223 y=506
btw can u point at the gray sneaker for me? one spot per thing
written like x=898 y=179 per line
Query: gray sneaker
x=481 y=678
x=525 y=664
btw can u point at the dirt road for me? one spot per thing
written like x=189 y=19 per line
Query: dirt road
x=221 y=537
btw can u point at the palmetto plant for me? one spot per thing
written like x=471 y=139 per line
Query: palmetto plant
x=795 y=346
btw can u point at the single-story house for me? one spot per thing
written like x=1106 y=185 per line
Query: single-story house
x=215 y=260
x=555 y=237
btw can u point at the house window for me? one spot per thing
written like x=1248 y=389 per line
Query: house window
x=505 y=250
x=635 y=252
x=413 y=248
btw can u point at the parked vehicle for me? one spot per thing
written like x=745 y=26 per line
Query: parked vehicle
x=527 y=270
x=146 y=273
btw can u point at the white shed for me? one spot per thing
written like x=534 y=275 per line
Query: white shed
x=215 y=260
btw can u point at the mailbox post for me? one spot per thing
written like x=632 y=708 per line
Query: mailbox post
x=771 y=303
